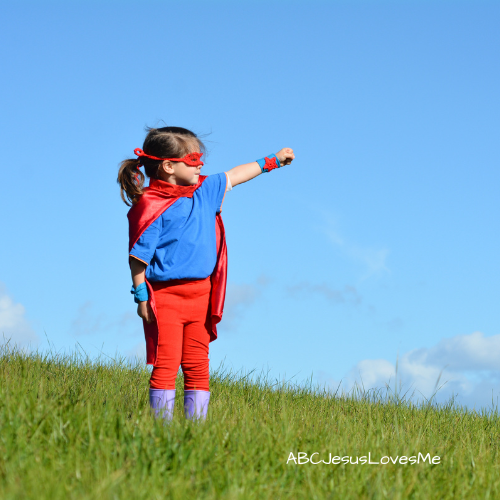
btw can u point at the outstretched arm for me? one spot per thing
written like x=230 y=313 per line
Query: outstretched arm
x=243 y=173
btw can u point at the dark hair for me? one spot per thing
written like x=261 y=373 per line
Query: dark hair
x=165 y=142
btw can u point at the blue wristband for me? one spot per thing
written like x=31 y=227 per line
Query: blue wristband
x=140 y=293
x=262 y=163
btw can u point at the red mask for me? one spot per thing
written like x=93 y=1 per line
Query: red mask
x=192 y=159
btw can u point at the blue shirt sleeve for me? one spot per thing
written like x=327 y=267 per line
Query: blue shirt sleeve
x=215 y=188
x=145 y=247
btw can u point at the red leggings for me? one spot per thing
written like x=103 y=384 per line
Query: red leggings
x=184 y=325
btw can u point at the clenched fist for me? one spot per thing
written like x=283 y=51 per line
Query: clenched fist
x=285 y=156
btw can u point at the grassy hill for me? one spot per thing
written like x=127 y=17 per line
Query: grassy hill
x=72 y=428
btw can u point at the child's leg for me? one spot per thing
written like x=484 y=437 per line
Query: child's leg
x=170 y=332
x=195 y=368
x=169 y=357
x=194 y=360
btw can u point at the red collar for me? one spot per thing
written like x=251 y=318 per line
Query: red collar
x=174 y=190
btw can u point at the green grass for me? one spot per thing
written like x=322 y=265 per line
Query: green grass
x=76 y=428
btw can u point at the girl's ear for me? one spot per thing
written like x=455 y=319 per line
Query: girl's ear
x=167 y=167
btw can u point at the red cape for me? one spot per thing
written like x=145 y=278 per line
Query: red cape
x=157 y=198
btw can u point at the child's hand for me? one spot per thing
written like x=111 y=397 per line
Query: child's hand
x=285 y=156
x=145 y=312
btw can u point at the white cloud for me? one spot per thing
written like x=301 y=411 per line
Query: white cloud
x=465 y=352
x=373 y=372
x=13 y=324
x=465 y=366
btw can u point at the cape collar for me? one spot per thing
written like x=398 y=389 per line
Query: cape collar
x=173 y=190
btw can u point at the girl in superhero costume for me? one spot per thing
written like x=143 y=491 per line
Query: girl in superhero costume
x=178 y=258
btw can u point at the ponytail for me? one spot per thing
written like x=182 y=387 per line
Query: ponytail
x=131 y=181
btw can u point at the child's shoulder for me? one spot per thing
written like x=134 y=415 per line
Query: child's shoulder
x=213 y=181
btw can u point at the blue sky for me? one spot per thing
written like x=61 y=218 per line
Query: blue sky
x=380 y=241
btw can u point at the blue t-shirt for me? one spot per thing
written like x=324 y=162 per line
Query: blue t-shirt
x=180 y=243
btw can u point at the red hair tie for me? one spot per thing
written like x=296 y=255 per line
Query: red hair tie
x=192 y=159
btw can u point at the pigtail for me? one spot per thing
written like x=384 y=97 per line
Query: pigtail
x=131 y=181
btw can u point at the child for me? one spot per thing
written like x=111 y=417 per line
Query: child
x=178 y=258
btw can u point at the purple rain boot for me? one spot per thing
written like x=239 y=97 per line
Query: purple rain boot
x=196 y=404
x=162 y=402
